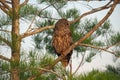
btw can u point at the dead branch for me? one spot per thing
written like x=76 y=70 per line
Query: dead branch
x=4 y=58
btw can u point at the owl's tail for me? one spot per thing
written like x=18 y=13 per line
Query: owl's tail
x=65 y=61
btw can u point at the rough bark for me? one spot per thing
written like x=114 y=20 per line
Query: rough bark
x=15 y=59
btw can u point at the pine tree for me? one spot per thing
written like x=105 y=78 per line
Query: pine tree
x=18 y=67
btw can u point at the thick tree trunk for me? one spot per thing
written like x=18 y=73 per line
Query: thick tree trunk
x=16 y=42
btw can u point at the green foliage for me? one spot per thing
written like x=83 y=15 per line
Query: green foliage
x=4 y=20
x=97 y=75
x=31 y=64
x=28 y=10
x=115 y=38
x=112 y=69
x=104 y=29
x=71 y=13
x=89 y=57
x=4 y=70
x=41 y=40
x=46 y=60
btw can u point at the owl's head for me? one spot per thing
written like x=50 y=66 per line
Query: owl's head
x=62 y=24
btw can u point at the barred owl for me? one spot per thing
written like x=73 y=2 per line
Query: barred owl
x=62 y=40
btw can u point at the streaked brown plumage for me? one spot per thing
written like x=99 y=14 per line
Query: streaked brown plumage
x=62 y=39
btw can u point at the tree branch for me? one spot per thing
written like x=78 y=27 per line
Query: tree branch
x=113 y=45
x=95 y=47
x=81 y=62
x=4 y=58
x=5 y=5
x=37 y=30
x=80 y=40
x=46 y=70
x=4 y=9
x=8 y=2
x=5 y=31
x=5 y=41
x=31 y=31
x=38 y=12
x=92 y=11
x=27 y=33
x=24 y=3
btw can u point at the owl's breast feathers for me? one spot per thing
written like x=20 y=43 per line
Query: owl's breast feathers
x=63 y=41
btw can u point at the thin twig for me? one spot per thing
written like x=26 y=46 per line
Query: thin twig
x=37 y=30
x=5 y=30
x=79 y=64
x=24 y=3
x=8 y=2
x=6 y=41
x=46 y=70
x=4 y=9
x=38 y=12
x=56 y=9
x=95 y=47
x=5 y=5
x=66 y=52
x=48 y=17
x=113 y=45
x=92 y=11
